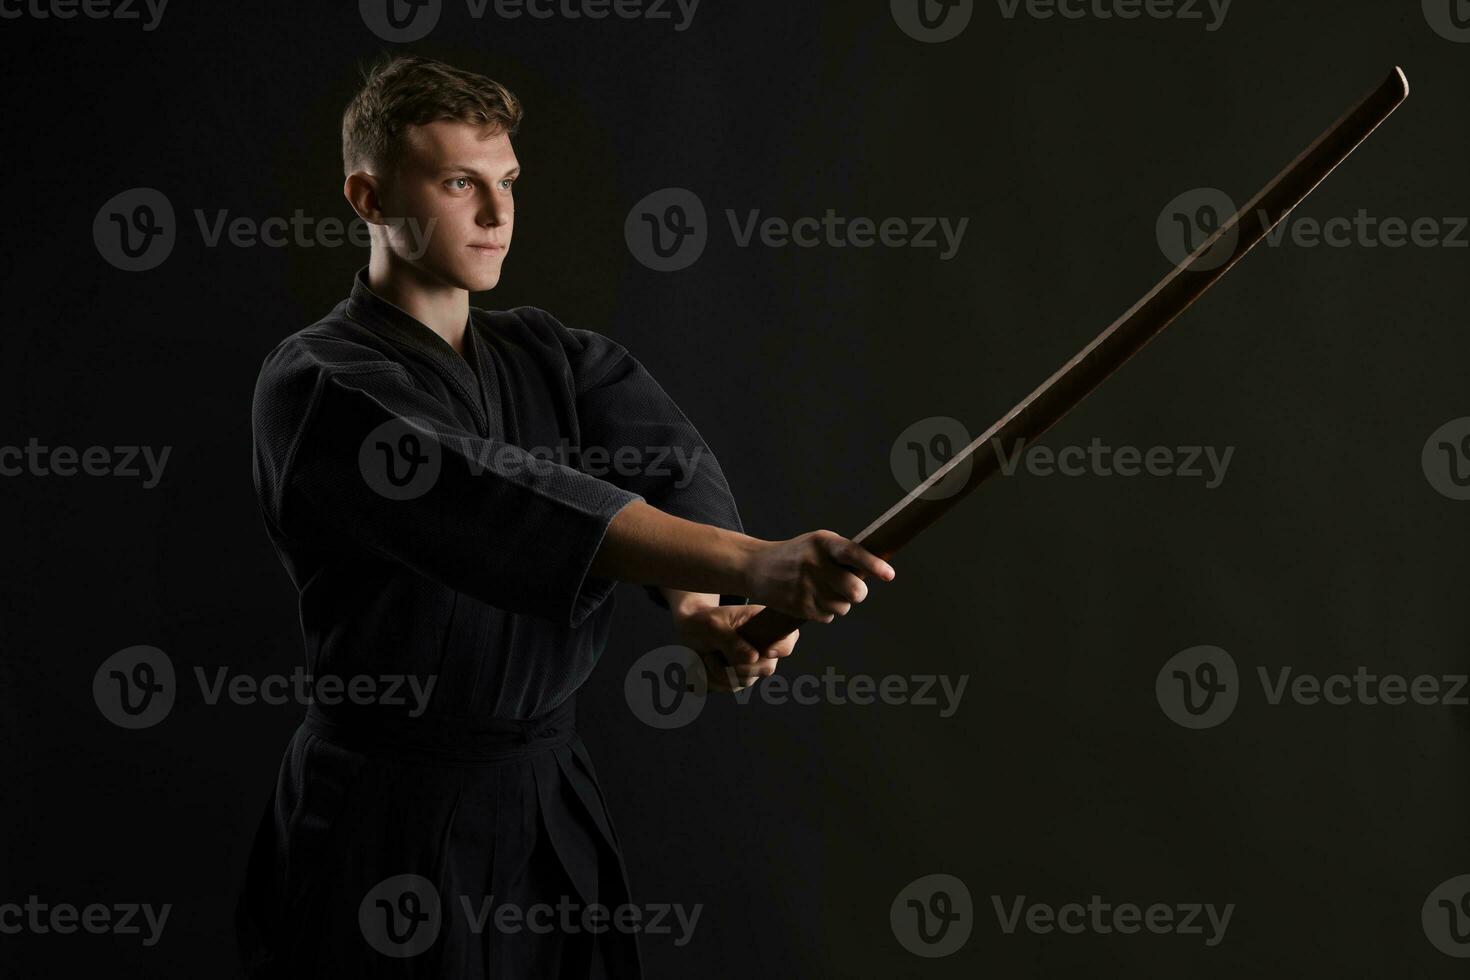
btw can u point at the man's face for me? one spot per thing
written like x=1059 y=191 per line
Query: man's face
x=454 y=187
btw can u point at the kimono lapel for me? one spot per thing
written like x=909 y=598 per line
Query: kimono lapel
x=479 y=352
x=388 y=321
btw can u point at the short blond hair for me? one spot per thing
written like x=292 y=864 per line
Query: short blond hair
x=407 y=90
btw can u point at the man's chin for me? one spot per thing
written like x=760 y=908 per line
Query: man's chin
x=475 y=280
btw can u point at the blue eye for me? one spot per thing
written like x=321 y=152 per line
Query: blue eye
x=455 y=182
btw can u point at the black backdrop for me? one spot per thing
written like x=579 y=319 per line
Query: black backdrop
x=1326 y=548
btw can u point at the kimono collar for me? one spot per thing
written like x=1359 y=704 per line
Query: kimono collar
x=375 y=311
x=382 y=317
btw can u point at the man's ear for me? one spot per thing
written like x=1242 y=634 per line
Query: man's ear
x=361 y=191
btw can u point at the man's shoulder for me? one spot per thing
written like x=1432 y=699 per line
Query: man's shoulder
x=334 y=347
x=581 y=350
x=534 y=322
x=333 y=343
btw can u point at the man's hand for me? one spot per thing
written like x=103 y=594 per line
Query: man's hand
x=730 y=662
x=811 y=576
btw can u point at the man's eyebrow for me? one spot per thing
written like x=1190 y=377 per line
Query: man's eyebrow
x=455 y=168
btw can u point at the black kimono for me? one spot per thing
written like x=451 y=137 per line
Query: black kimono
x=438 y=515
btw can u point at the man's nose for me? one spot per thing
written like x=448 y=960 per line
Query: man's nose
x=494 y=211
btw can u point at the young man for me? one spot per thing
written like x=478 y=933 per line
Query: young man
x=397 y=468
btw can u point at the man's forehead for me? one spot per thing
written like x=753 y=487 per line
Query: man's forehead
x=449 y=141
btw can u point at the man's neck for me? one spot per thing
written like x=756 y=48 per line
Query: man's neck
x=443 y=309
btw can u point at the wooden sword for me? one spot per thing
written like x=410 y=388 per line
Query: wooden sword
x=1061 y=392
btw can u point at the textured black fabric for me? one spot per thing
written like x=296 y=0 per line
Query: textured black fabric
x=476 y=577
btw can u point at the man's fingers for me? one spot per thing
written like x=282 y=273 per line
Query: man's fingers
x=741 y=652
x=783 y=646
x=857 y=557
x=727 y=677
x=847 y=587
x=830 y=604
x=721 y=676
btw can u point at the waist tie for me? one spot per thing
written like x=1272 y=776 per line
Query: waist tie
x=474 y=743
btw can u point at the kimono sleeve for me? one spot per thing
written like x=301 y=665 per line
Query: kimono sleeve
x=355 y=454
x=645 y=443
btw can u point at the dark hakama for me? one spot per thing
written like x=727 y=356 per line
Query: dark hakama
x=408 y=493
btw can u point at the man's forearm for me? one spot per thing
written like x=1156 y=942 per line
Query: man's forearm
x=645 y=546
x=682 y=603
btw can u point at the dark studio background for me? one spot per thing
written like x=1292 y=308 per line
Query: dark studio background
x=1060 y=777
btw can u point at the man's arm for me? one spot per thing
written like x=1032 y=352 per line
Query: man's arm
x=682 y=603
x=810 y=576
x=488 y=518
x=646 y=546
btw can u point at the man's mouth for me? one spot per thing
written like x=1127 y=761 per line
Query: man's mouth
x=487 y=248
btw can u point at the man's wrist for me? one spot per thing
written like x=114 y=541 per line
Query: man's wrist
x=745 y=550
x=683 y=603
